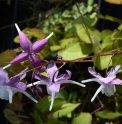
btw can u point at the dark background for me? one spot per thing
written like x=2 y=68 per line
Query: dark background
x=12 y=11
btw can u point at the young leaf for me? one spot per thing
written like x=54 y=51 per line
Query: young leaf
x=102 y=62
x=81 y=31
x=82 y=118
x=105 y=114
x=65 y=109
x=75 y=51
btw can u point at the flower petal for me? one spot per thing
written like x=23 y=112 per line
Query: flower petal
x=97 y=92
x=52 y=70
x=63 y=77
x=11 y=92
x=114 y=71
x=54 y=87
x=21 y=57
x=107 y=80
x=21 y=86
x=42 y=78
x=28 y=95
x=3 y=93
x=39 y=45
x=72 y=82
x=109 y=90
x=52 y=101
x=36 y=62
x=90 y=80
x=36 y=83
x=14 y=81
x=94 y=73
x=25 y=43
x=3 y=76
x=116 y=81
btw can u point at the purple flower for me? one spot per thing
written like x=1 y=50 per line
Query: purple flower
x=54 y=81
x=29 y=49
x=8 y=87
x=107 y=84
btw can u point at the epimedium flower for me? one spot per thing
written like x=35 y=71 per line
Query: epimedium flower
x=107 y=84
x=8 y=87
x=29 y=49
x=54 y=81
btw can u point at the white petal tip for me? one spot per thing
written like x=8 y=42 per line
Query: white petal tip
x=17 y=27
x=92 y=99
x=50 y=109
x=35 y=83
x=49 y=36
x=84 y=81
x=83 y=85
x=6 y=66
x=77 y=83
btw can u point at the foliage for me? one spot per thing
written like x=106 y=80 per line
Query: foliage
x=73 y=42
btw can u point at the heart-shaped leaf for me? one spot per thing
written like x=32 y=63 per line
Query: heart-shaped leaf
x=65 y=109
x=75 y=50
x=83 y=35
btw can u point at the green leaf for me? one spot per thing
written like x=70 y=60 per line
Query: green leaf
x=89 y=20
x=102 y=62
x=112 y=46
x=12 y=117
x=117 y=60
x=37 y=119
x=82 y=118
x=105 y=114
x=55 y=121
x=43 y=104
x=89 y=8
x=37 y=33
x=106 y=38
x=110 y=18
x=104 y=34
x=75 y=50
x=62 y=94
x=65 y=109
x=116 y=35
x=81 y=31
x=55 y=48
x=6 y=57
x=90 y=2
x=65 y=42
